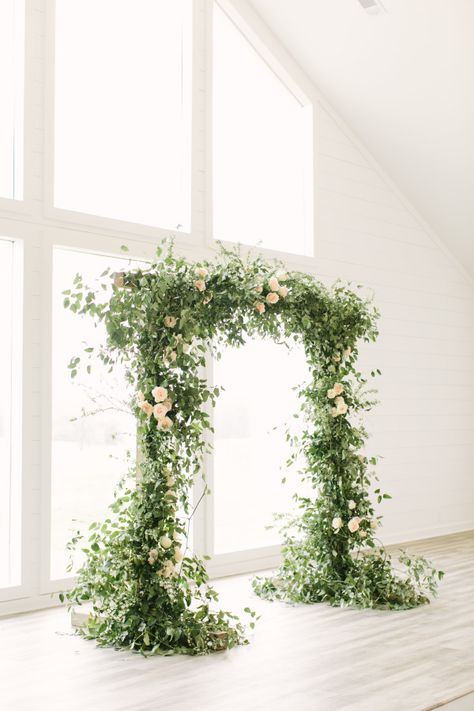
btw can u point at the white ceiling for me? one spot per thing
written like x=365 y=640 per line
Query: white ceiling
x=404 y=82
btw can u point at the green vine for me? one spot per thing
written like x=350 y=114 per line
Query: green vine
x=149 y=592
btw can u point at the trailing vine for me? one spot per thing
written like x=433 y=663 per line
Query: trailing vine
x=149 y=592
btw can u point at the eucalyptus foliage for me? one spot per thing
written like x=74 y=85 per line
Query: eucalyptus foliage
x=149 y=592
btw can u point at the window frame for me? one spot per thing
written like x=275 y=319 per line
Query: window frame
x=37 y=226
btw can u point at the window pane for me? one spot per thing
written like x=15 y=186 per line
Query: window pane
x=262 y=150
x=250 y=449
x=89 y=454
x=122 y=109
x=12 y=23
x=10 y=485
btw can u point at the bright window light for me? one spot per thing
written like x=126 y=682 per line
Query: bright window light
x=12 y=30
x=250 y=448
x=89 y=453
x=262 y=150
x=10 y=469
x=122 y=110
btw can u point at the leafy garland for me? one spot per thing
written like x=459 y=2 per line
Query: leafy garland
x=149 y=592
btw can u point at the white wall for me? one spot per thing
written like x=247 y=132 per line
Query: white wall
x=424 y=425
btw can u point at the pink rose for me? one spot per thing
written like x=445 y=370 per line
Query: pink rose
x=165 y=423
x=338 y=388
x=146 y=407
x=200 y=284
x=201 y=272
x=260 y=307
x=272 y=298
x=159 y=393
x=283 y=291
x=160 y=411
x=353 y=524
x=258 y=289
x=273 y=283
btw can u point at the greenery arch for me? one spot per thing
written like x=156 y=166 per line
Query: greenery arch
x=149 y=594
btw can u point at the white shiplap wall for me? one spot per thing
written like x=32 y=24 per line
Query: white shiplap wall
x=424 y=425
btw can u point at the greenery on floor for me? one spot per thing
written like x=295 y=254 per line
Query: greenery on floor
x=149 y=592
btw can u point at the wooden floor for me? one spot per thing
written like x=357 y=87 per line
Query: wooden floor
x=302 y=658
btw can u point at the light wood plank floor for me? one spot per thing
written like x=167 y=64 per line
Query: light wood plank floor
x=302 y=658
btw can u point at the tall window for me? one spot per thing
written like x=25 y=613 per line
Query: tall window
x=93 y=428
x=250 y=448
x=12 y=22
x=262 y=149
x=10 y=469
x=122 y=110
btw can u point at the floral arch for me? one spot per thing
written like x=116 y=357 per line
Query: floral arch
x=149 y=593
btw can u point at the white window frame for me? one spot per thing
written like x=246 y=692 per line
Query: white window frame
x=38 y=227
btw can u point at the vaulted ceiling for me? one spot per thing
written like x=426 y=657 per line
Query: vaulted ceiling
x=404 y=82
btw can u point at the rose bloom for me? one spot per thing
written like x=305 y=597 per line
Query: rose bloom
x=178 y=555
x=272 y=298
x=165 y=423
x=338 y=388
x=201 y=272
x=342 y=408
x=362 y=534
x=169 y=321
x=331 y=393
x=353 y=524
x=352 y=504
x=273 y=283
x=200 y=285
x=159 y=393
x=283 y=291
x=281 y=275
x=337 y=523
x=160 y=410
x=165 y=542
x=339 y=400
x=168 y=569
x=168 y=404
x=334 y=412
x=146 y=407
x=260 y=307
x=258 y=289
x=152 y=556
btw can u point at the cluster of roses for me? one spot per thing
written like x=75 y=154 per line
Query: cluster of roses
x=166 y=544
x=354 y=523
x=277 y=290
x=340 y=406
x=160 y=409
x=201 y=273
x=341 y=353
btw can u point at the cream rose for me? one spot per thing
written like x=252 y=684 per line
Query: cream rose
x=140 y=396
x=283 y=291
x=334 y=412
x=258 y=289
x=273 y=283
x=272 y=298
x=160 y=410
x=338 y=388
x=281 y=275
x=352 y=504
x=152 y=556
x=260 y=307
x=170 y=321
x=201 y=272
x=374 y=524
x=165 y=542
x=331 y=393
x=200 y=284
x=159 y=393
x=147 y=408
x=342 y=408
x=178 y=555
x=354 y=524
x=363 y=534
x=168 y=569
x=165 y=423
x=337 y=523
